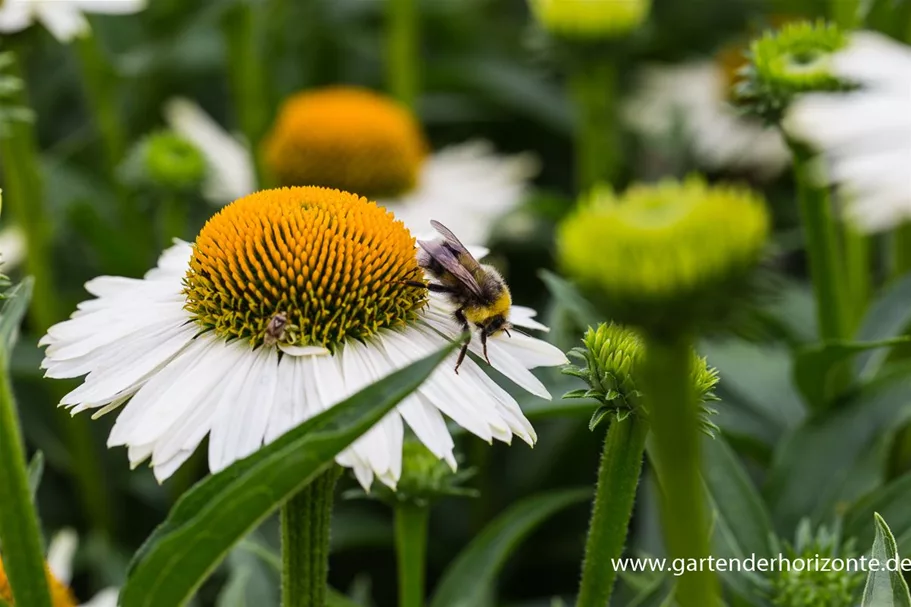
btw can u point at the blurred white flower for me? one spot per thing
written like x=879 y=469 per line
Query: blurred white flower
x=466 y=186
x=184 y=350
x=64 y=19
x=691 y=100
x=60 y=555
x=865 y=135
x=12 y=248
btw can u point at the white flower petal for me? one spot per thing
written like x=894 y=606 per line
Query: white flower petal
x=111 y=7
x=106 y=598
x=232 y=172
x=12 y=246
x=60 y=554
x=16 y=15
x=304 y=350
x=465 y=187
x=62 y=19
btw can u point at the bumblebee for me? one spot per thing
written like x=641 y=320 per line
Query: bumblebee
x=479 y=292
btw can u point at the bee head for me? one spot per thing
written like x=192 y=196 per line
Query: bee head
x=496 y=324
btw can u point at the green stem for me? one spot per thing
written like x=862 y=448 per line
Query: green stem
x=411 y=551
x=305 y=521
x=844 y=13
x=24 y=193
x=101 y=89
x=402 y=61
x=174 y=219
x=900 y=245
x=247 y=75
x=826 y=265
x=674 y=416
x=593 y=84
x=618 y=477
x=857 y=273
x=19 y=530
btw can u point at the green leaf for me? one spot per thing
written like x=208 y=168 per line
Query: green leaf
x=12 y=313
x=219 y=511
x=885 y=588
x=569 y=297
x=20 y=532
x=35 y=472
x=474 y=570
x=334 y=598
x=838 y=456
x=891 y=501
x=817 y=367
x=598 y=417
x=888 y=317
x=761 y=402
x=743 y=525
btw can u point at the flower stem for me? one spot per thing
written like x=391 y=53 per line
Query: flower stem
x=900 y=245
x=674 y=417
x=411 y=551
x=822 y=249
x=24 y=193
x=593 y=84
x=247 y=75
x=173 y=219
x=857 y=273
x=844 y=13
x=305 y=521
x=402 y=74
x=19 y=529
x=618 y=477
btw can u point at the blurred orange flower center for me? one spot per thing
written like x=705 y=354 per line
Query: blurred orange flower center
x=304 y=265
x=61 y=596
x=347 y=138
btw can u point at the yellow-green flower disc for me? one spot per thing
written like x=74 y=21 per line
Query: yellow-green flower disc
x=590 y=19
x=667 y=256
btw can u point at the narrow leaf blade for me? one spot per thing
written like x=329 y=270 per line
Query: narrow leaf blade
x=219 y=511
x=471 y=574
x=885 y=588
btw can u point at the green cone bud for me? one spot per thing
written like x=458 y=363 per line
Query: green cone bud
x=611 y=364
x=590 y=19
x=792 y=60
x=165 y=160
x=665 y=257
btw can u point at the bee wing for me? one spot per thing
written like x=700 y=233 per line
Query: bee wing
x=460 y=250
x=444 y=255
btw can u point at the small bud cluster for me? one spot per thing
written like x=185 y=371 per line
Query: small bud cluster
x=611 y=360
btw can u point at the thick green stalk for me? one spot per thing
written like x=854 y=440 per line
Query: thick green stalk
x=825 y=259
x=24 y=194
x=900 y=249
x=857 y=273
x=674 y=417
x=618 y=477
x=19 y=529
x=844 y=13
x=306 y=520
x=402 y=61
x=594 y=85
x=411 y=551
x=249 y=85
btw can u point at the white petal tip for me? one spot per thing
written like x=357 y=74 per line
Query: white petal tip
x=304 y=350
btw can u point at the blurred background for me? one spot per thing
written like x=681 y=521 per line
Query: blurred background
x=488 y=72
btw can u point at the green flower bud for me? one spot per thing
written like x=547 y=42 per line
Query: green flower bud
x=165 y=160
x=792 y=60
x=810 y=587
x=665 y=257
x=590 y=19
x=611 y=365
x=425 y=478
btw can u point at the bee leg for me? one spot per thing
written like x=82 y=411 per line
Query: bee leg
x=484 y=345
x=462 y=353
x=465 y=329
x=427 y=285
